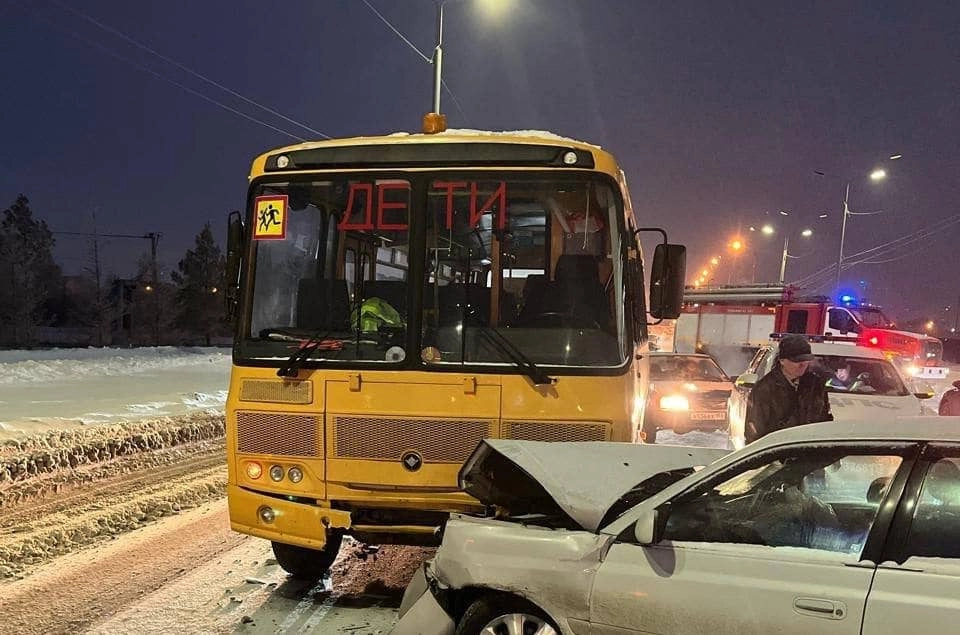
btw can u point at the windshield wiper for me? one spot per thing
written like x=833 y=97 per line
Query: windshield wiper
x=291 y=367
x=524 y=363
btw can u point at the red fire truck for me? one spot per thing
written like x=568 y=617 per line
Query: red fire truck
x=730 y=322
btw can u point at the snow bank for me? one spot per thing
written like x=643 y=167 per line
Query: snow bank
x=43 y=390
x=27 y=367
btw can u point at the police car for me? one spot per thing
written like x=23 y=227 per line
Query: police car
x=862 y=384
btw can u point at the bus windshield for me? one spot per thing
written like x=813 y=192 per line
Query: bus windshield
x=463 y=269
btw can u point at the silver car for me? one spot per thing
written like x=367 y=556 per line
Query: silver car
x=843 y=527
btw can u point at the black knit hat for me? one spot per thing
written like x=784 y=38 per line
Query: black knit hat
x=795 y=348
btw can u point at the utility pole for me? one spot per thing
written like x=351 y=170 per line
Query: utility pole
x=96 y=272
x=956 y=318
x=843 y=235
x=154 y=238
x=783 y=259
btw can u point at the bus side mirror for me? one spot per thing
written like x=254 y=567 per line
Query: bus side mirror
x=235 y=243
x=667 y=280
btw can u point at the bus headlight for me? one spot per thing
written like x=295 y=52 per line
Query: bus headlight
x=674 y=402
x=254 y=470
x=276 y=473
x=295 y=474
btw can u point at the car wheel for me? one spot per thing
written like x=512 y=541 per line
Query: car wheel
x=308 y=564
x=504 y=615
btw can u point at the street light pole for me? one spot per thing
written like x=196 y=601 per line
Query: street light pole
x=783 y=259
x=843 y=234
x=438 y=60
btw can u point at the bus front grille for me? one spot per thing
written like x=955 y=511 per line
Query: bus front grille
x=385 y=438
x=555 y=431
x=280 y=434
x=276 y=391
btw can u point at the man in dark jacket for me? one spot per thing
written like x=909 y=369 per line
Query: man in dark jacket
x=789 y=395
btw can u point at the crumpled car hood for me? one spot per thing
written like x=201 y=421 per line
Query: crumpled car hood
x=581 y=479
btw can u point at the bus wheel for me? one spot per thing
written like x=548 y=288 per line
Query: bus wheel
x=308 y=564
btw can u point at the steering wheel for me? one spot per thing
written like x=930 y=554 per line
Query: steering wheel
x=566 y=320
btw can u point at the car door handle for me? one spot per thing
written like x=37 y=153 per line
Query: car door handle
x=819 y=607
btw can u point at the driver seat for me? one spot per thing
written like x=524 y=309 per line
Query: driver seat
x=576 y=291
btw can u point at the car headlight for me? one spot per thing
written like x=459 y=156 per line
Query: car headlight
x=674 y=402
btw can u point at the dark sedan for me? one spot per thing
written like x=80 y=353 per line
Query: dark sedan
x=687 y=392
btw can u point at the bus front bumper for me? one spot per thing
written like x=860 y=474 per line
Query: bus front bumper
x=292 y=523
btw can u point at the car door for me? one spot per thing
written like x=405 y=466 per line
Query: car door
x=774 y=544
x=737 y=406
x=917 y=585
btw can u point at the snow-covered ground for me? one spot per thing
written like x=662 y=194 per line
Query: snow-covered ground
x=57 y=388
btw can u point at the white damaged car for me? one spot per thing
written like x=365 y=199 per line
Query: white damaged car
x=826 y=528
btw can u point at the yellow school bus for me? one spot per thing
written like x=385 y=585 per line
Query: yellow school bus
x=398 y=299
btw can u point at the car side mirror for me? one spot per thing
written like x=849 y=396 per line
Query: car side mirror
x=923 y=391
x=648 y=528
x=746 y=380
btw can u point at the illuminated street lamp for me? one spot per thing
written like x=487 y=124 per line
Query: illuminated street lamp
x=877 y=175
x=736 y=245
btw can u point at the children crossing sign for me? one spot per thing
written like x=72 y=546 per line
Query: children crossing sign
x=270 y=218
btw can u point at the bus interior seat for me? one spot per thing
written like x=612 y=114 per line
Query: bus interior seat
x=393 y=292
x=577 y=291
x=323 y=304
x=453 y=296
x=533 y=290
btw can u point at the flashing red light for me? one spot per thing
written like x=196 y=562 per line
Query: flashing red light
x=873 y=341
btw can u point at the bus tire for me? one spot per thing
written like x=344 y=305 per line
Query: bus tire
x=308 y=564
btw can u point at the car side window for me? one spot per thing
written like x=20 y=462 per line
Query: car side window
x=766 y=364
x=936 y=518
x=811 y=498
x=754 y=365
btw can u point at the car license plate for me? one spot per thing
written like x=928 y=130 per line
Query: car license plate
x=708 y=416
x=933 y=372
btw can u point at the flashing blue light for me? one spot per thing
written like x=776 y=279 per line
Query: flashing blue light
x=847 y=299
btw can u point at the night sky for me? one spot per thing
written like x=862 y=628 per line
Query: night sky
x=719 y=112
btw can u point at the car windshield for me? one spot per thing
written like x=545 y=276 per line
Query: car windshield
x=873 y=318
x=860 y=375
x=684 y=368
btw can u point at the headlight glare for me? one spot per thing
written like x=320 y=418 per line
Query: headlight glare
x=674 y=402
